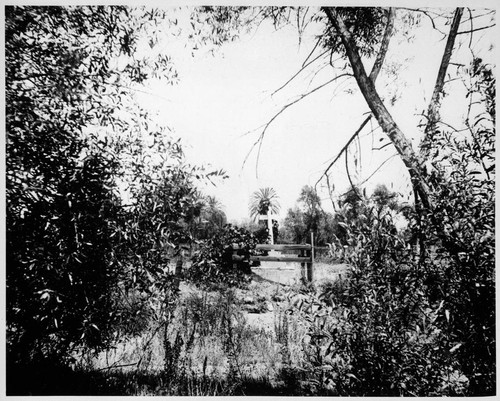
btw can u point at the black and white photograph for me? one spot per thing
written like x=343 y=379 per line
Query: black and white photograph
x=249 y=200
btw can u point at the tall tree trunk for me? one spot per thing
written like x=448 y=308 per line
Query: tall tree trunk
x=435 y=103
x=379 y=61
x=384 y=118
x=389 y=126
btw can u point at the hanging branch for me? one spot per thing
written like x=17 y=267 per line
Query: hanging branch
x=306 y=62
x=354 y=189
x=377 y=169
x=266 y=125
x=359 y=167
x=344 y=148
x=330 y=192
x=314 y=74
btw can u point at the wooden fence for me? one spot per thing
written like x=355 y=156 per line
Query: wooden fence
x=304 y=254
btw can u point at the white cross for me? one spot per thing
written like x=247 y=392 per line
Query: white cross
x=269 y=218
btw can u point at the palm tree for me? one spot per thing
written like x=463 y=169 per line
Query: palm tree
x=264 y=201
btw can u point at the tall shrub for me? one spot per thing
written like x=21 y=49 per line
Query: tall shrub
x=213 y=263
x=74 y=137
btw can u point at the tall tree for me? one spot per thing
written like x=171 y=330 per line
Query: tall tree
x=208 y=218
x=313 y=214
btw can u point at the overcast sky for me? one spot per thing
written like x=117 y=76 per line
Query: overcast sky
x=222 y=96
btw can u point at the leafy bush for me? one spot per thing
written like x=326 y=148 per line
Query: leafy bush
x=213 y=263
x=74 y=141
x=463 y=268
x=461 y=271
x=60 y=284
x=369 y=335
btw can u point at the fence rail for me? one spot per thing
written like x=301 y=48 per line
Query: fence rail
x=301 y=259
x=305 y=256
x=277 y=247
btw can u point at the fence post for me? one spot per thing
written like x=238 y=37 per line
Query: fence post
x=303 y=269
x=179 y=263
x=235 y=262
x=310 y=265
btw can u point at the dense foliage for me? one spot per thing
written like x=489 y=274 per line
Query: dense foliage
x=212 y=264
x=367 y=25
x=306 y=217
x=208 y=217
x=74 y=143
x=463 y=275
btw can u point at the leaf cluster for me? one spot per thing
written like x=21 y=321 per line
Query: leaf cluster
x=213 y=263
x=366 y=24
x=373 y=333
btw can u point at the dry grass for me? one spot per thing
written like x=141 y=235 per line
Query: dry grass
x=217 y=344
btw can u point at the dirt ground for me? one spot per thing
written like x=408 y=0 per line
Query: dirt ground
x=265 y=297
x=263 y=303
x=270 y=283
x=290 y=273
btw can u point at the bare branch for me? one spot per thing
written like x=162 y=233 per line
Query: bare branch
x=377 y=169
x=344 y=148
x=476 y=29
x=299 y=71
x=358 y=152
x=304 y=22
x=383 y=146
x=441 y=122
x=452 y=79
x=305 y=63
x=313 y=74
x=471 y=27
